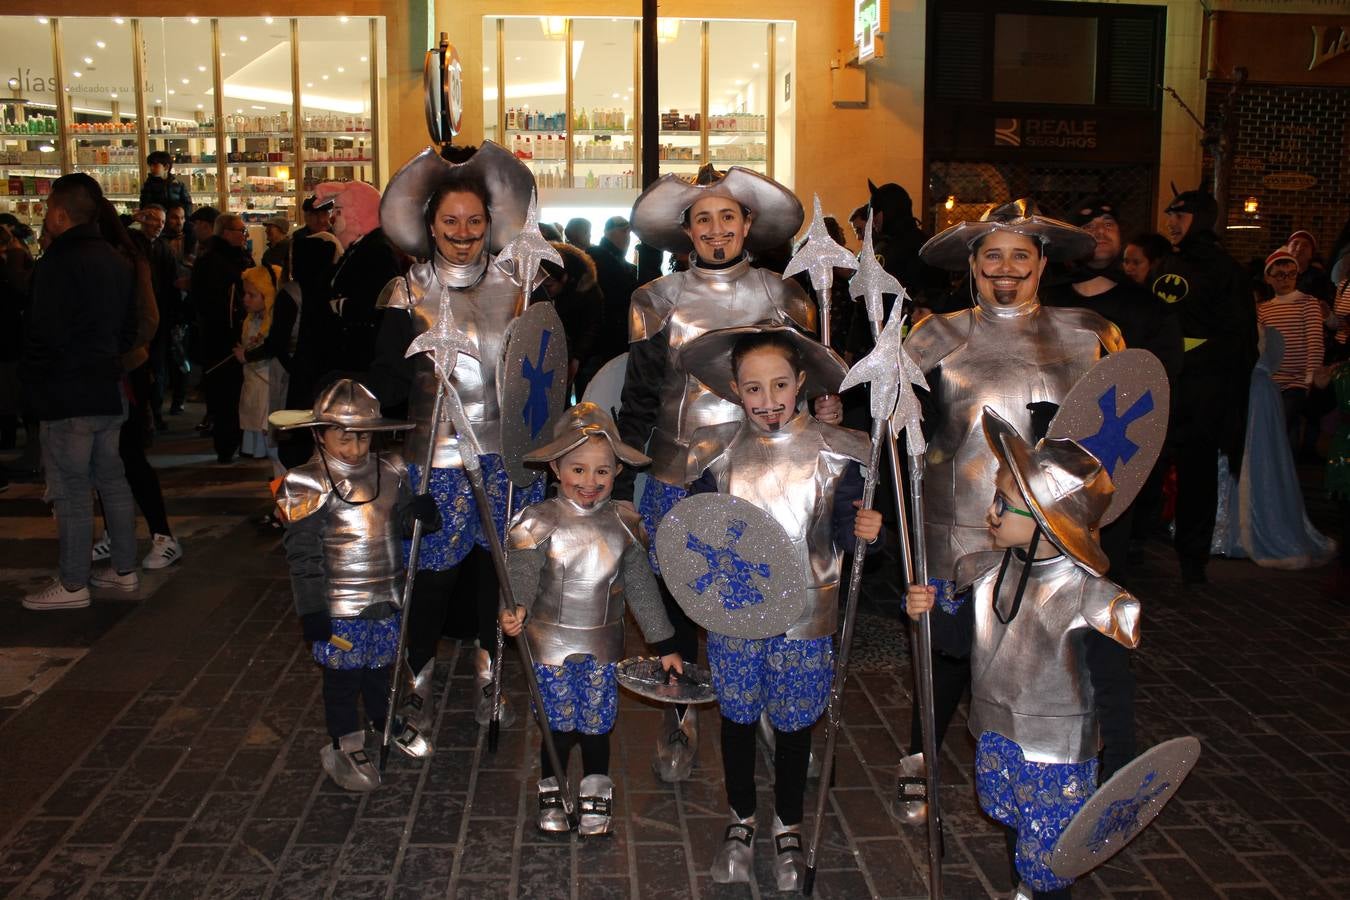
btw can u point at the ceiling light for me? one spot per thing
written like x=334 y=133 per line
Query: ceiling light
x=263 y=108
x=782 y=40
x=119 y=21
x=241 y=109
x=184 y=80
x=614 y=96
x=114 y=96
x=268 y=20
x=194 y=20
x=46 y=148
x=200 y=69
x=341 y=69
x=199 y=106
x=342 y=19
x=78 y=74
x=100 y=44
x=754 y=65
x=325 y=77
x=244 y=38
x=519 y=58
x=88 y=60
x=43 y=21
x=365 y=59
x=171 y=92
x=309 y=84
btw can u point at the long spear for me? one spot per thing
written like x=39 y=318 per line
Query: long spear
x=820 y=256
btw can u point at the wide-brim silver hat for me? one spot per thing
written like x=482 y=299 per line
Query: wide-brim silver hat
x=1065 y=486
x=577 y=426
x=403 y=208
x=658 y=213
x=708 y=358
x=1059 y=241
x=346 y=404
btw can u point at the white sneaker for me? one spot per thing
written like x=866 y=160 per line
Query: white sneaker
x=109 y=578
x=55 y=596
x=164 y=552
x=103 y=548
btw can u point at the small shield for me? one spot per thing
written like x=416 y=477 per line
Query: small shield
x=1118 y=413
x=730 y=566
x=532 y=383
x=1123 y=807
x=644 y=676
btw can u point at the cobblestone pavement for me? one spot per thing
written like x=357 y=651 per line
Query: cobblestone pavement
x=172 y=749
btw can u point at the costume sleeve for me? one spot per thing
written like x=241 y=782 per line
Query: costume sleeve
x=391 y=373
x=524 y=567
x=643 y=597
x=303 y=540
x=1108 y=665
x=953 y=632
x=1316 y=345
x=850 y=488
x=647 y=361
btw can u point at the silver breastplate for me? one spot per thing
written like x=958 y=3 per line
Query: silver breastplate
x=1007 y=361
x=482 y=310
x=705 y=300
x=792 y=474
x=579 y=606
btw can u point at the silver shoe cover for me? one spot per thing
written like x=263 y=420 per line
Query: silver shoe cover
x=735 y=859
x=482 y=710
x=676 y=746
x=1021 y=892
x=417 y=708
x=789 y=865
x=596 y=805
x=348 y=764
x=910 y=803
x=552 y=816
x=412 y=741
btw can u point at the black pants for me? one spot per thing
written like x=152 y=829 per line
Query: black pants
x=221 y=388
x=141 y=476
x=951 y=677
x=792 y=753
x=1200 y=419
x=594 y=752
x=470 y=587
x=341 y=687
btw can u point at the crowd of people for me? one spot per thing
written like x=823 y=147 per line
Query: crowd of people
x=726 y=390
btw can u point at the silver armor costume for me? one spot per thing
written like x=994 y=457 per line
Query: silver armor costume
x=791 y=474
x=684 y=305
x=362 y=553
x=588 y=562
x=483 y=300
x=1029 y=678
x=1004 y=358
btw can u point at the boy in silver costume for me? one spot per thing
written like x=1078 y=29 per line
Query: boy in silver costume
x=722 y=219
x=344 y=512
x=1050 y=675
x=806 y=475
x=575 y=560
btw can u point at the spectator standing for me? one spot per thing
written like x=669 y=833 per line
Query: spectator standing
x=160 y=185
x=278 y=252
x=168 y=301
x=264 y=388
x=578 y=233
x=572 y=288
x=215 y=298
x=203 y=228
x=16 y=268
x=81 y=319
x=317 y=221
x=1313 y=279
x=1143 y=256
x=313 y=261
x=368 y=263
x=617 y=278
x=1298 y=319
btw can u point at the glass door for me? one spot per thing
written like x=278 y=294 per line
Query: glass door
x=680 y=67
x=180 y=102
x=257 y=105
x=30 y=140
x=100 y=82
x=604 y=145
x=534 y=105
x=335 y=99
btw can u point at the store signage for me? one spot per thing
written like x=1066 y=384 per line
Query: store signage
x=1046 y=133
x=1289 y=181
x=1328 y=44
x=25 y=81
x=868 y=16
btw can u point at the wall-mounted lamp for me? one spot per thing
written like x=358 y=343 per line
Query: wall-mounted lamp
x=951 y=202
x=1250 y=206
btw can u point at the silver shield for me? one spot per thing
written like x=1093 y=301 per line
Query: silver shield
x=1118 y=413
x=533 y=386
x=730 y=566
x=644 y=676
x=1123 y=807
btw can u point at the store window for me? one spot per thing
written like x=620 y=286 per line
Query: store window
x=30 y=142
x=257 y=102
x=335 y=98
x=100 y=84
x=679 y=63
x=535 y=98
x=604 y=150
x=180 y=103
x=738 y=94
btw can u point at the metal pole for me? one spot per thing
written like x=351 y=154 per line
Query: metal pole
x=649 y=262
x=495 y=726
x=923 y=686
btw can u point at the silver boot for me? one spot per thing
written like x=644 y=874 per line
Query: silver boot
x=552 y=816
x=1021 y=892
x=789 y=865
x=735 y=859
x=596 y=804
x=910 y=804
x=348 y=765
x=482 y=711
x=416 y=715
x=766 y=735
x=676 y=746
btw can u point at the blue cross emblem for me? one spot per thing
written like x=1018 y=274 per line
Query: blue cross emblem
x=728 y=570
x=1110 y=444
x=535 y=412
x=1121 y=818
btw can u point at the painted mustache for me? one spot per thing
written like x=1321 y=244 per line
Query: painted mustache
x=767 y=411
x=719 y=253
x=466 y=241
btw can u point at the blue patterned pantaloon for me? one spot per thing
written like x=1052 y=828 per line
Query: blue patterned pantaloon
x=1037 y=800
x=789 y=678
x=656 y=501
x=460 y=526
x=580 y=695
x=373 y=644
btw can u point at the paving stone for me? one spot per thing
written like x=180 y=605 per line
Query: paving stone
x=144 y=848
x=182 y=794
x=219 y=818
x=103 y=889
x=438 y=819
x=482 y=889
x=115 y=747
x=483 y=843
x=77 y=792
x=661 y=871
x=329 y=819
x=260 y=846
x=110 y=819
x=538 y=871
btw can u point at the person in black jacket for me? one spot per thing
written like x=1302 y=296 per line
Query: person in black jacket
x=368 y=263
x=1212 y=297
x=572 y=288
x=160 y=185
x=81 y=319
x=617 y=279
x=215 y=297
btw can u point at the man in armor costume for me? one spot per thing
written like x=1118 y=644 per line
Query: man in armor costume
x=453 y=210
x=722 y=218
x=1047 y=638
x=344 y=512
x=1010 y=353
x=575 y=561
x=807 y=476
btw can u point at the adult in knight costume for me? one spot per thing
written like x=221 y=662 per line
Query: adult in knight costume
x=575 y=561
x=720 y=219
x=344 y=512
x=1011 y=354
x=1047 y=637
x=453 y=210
x=806 y=475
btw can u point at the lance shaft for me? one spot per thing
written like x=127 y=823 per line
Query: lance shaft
x=834 y=712
x=495 y=726
x=410 y=575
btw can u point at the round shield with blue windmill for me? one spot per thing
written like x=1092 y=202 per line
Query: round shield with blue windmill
x=730 y=566
x=1118 y=412
x=532 y=384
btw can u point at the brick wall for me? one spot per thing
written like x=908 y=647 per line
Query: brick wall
x=1285 y=132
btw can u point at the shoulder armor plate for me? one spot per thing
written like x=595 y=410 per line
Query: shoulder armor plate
x=849 y=442
x=303 y=491
x=1112 y=610
x=651 y=307
x=705 y=445
x=932 y=339
x=1089 y=320
x=631 y=520
x=532 y=526
x=395 y=294
x=971 y=566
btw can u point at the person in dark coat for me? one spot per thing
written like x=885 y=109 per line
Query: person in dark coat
x=160 y=185
x=1212 y=297
x=368 y=263
x=317 y=348
x=217 y=301
x=617 y=279
x=575 y=294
